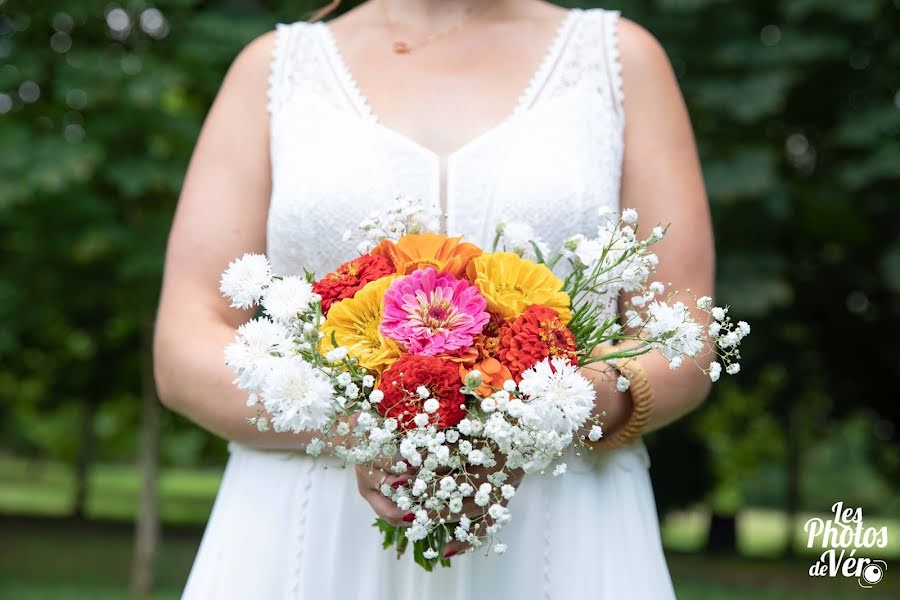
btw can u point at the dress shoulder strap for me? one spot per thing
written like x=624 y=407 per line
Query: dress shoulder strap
x=591 y=58
x=296 y=61
x=278 y=88
x=609 y=24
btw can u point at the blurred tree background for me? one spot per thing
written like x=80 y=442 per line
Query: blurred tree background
x=796 y=107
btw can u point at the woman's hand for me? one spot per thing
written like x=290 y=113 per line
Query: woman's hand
x=611 y=407
x=369 y=479
x=475 y=476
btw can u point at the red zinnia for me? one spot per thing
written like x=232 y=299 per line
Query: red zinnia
x=348 y=278
x=401 y=380
x=533 y=336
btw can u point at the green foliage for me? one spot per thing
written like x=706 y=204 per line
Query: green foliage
x=796 y=109
x=797 y=114
x=97 y=128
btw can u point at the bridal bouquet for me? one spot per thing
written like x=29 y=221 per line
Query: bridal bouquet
x=458 y=367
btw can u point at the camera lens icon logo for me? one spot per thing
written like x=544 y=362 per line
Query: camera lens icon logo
x=872 y=574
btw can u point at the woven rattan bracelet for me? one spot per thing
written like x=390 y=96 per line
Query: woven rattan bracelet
x=642 y=405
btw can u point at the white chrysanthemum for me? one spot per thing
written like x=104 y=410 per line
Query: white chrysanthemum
x=288 y=297
x=558 y=397
x=299 y=397
x=256 y=343
x=245 y=280
x=675 y=330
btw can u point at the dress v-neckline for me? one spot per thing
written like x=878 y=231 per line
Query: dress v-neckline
x=522 y=103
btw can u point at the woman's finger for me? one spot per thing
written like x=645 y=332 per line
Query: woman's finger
x=455 y=547
x=385 y=508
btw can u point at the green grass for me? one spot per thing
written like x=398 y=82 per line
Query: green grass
x=63 y=560
x=73 y=561
x=761 y=532
x=187 y=496
x=46 y=488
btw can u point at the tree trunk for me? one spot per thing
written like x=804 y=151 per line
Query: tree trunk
x=722 y=537
x=792 y=480
x=146 y=533
x=85 y=458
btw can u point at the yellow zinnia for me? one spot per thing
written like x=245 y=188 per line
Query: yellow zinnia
x=354 y=323
x=510 y=284
x=418 y=251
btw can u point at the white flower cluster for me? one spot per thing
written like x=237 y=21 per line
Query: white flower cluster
x=519 y=237
x=728 y=336
x=458 y=479
x=525 y=427
x=267 y=353
x=407 y=217
x=616 y=259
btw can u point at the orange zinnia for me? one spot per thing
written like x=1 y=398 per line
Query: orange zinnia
x=537 y=334
x=413 y=252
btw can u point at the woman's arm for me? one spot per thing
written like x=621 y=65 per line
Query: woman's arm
x=661 y=179
x=221 y=215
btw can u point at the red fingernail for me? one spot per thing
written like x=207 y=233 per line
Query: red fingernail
x=450 y=553
x=398 y=483
x=409 y=518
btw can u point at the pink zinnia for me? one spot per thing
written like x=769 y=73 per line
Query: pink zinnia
x=433 y=313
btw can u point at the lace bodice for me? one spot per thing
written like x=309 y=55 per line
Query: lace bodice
x=552 y=162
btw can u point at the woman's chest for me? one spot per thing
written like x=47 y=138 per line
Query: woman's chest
x=553 y=162
x=553 y=167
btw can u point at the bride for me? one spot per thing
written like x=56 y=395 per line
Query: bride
x=492 y=110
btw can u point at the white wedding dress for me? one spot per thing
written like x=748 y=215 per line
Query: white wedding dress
x=287 y=526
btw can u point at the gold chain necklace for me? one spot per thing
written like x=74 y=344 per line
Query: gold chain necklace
x=402 y=46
